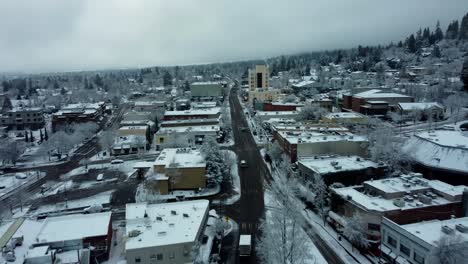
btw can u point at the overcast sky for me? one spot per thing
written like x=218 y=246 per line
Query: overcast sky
x=69 y=35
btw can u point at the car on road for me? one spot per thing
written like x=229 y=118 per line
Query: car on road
x=243 y=164
x=21 y=176
x=243 y=129
x=245 y=247
x=116 y=161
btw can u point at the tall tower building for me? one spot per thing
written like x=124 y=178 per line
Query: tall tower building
x=258 y=77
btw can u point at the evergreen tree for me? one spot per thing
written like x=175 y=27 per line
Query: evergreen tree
x=411 y=44
x=452 y=30
x=167 y=79
x=186 y=86
x=98 y=80
x=436 y=51
x=464 y=75
x=463 y=33
x=46 y=136
x=26 y=137
x=63 y=91
x=438 y=34
x=140 y=79
x=31 y=136
x=6 y=86
x=56 y=85
x=41 y=136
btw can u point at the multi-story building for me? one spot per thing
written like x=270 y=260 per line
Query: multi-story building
x=190 y=134
x=164 y=233
x=374 y=101
x=206 y=91
x=204 y=113
x=259 y=77
x=406 y=199
x=20 y=118
x=415 y=243
x=348 y=170
x=299 y=144
x=345 y=118
x=78 y=113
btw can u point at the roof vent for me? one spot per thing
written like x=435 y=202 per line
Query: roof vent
x=134 y=233
x=158 y=218
x=173 y=212
x=447 y=230
x=162 y=233
x=185 y=215
x=461 y=228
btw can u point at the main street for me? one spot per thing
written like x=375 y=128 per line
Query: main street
x=249 y=210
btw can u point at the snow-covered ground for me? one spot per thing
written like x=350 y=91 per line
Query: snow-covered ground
x=126 y=167
x=11 y=182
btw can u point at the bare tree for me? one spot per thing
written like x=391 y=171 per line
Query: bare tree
x=450 y=249
x=320 y=191
x=355 y=230
x=106 y=140
x=11 y=150
x=312 y=113
x=275 y=152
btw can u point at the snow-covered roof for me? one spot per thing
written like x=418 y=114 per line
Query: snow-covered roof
x=431 y=231
x=187 y=129
x=133 y=128
x=165 y=224
x=38 y=252
x=303 y=83
x=419 y=106
x=333 y=164
x=344 y=115
x=150 y=103
x=316 y=137
x=410 y=190
x=276 y=113
x=205 y=83
x=181 y=158
x=245 y=240
x=74 y=227
x=377 y=93
x=202 y=111
x=440 y=149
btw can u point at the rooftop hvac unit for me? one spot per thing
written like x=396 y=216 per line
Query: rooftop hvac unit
x=158 y=218
x=134 y=233
x=399 y=203
x=447 y=230
x=173 y=212
x=358 y=159
x=461 y=228
x=425 y=199
x=409 y=199
x=334 y=163
x=162 y=233
x=407 y=185
x=185 y=215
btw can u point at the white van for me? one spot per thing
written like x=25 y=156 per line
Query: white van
x=116 y=161
x=243 y=163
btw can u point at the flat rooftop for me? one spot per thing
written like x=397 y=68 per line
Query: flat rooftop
x=333 y=164
x=316 y=137
x=181 y=158
x=344 y=115
x=187 y=129
x=165 y=223
x=201 y=111
x=445 y=138
x=74 y=227
x=431 y=231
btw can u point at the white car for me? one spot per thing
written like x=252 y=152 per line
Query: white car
x=116 y=161
x=243 y=163
x=21 y=176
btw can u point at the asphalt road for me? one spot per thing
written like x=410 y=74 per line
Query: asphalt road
x=249 y=210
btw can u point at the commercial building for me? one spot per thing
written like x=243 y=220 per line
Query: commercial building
x=299 y=144
x=345 y=118
x=348 y=170
x=75 y=232
x=374 y=101
x=78 y=113
x=440 y=154
x=189 y=134
x=414 y=243
x=130 y=144
x=261 y=95
x=205 y=113
x=164 y=233
x=426 y=109
x=406 y=199
x=178 y=169
x=206 y=90
x=21 y=118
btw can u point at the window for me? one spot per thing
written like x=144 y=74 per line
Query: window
x=405 y=250
x=418 y=258
x=137 y=260
x=159 y=257
x=153 y=257
x=391 y=241
x=374 y=227
x=172 y=255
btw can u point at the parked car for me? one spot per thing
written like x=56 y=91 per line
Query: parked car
x=21 y=176
x=116 y=161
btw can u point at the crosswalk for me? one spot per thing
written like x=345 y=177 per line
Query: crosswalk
x=248 y=227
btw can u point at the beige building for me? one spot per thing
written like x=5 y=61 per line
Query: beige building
x=258 y=77
x=179 y=169
x=164 y=233
x=263 y=95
